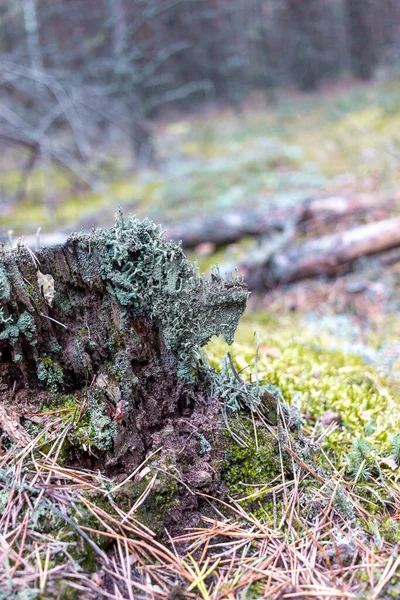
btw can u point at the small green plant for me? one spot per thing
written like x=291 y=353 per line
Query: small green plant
x=360 y=460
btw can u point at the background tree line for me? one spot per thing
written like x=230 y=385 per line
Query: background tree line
x=95 y=67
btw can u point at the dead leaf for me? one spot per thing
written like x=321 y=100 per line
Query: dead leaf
x=389 y=461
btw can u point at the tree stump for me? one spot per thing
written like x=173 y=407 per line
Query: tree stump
x=120 y=332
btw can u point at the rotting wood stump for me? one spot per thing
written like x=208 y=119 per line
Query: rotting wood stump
x=114 y=344
x=120 y=336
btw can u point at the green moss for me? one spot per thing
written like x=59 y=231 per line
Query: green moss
x=251 y=465
x=361 y=459
x=162 y=498
x=386 y=529
x=159 y=503
x=315 y=378
x=255 y=591
x=62 y=402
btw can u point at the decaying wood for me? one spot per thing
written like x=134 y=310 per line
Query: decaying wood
x=120 y=334
x=235 y=225
x=328 y=255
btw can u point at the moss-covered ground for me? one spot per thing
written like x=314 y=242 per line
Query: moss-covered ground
x=312 y=506
x=320 y=368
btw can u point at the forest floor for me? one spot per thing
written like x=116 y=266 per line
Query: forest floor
x=332 y=346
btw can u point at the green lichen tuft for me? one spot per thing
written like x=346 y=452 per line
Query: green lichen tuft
x=4 y=284
x=238 y=394
x=25 y=325
x=152 y=278
x=204 y=445
x=50 y=373
x=53 y=346
x=10 y=332
x=102 y=428
x=92 y=428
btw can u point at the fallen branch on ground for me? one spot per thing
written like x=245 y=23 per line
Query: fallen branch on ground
x=328 y=255
x=235 y=225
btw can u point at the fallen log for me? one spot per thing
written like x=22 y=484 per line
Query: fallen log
x=240 y=223
x=328 y=255
x=235 y=225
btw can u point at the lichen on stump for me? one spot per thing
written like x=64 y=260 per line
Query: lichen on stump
x=121 y=335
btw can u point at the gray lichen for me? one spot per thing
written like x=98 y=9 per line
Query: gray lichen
x=4 y=284
x=12 y=331
x=50 y=373
x=152 y=278
x=26 y=325
x=237 y=394
x=103 y=429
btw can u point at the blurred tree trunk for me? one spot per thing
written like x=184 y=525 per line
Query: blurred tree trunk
x=329 y=255
x=118 y=26
x=361 y=40
x=32 y=34
x=305 y=51
x=263 y=16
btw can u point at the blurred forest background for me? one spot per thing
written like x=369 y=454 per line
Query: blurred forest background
x=173 y=107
